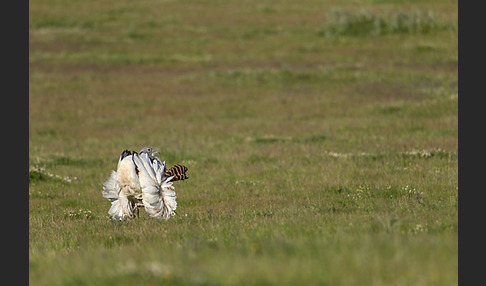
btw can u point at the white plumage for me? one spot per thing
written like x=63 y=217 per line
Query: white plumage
x=158 y=195
x=121 y=207
x=140 y=181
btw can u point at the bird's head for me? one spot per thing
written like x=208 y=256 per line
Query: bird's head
x=149 y=151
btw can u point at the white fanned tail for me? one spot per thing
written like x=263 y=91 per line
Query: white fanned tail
x=121 y=208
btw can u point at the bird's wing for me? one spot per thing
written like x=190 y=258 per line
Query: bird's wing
x=111 y=188
x=159 y=168
x=161 y=201
x=128 y=178
x=124 y=154
x=169 y=197
x=158 y=195
x=151 y=193
x=120 y=206
x=144 y=164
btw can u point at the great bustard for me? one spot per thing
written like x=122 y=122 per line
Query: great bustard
x=140 y=181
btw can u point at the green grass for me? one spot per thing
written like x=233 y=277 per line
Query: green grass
x=322 y=150
x=368 y=23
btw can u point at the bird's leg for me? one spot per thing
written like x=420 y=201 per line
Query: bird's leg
x=136 y=211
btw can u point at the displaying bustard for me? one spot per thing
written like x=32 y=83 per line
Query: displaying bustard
x=141 y=180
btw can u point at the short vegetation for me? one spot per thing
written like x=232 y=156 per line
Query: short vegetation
x=320 y=137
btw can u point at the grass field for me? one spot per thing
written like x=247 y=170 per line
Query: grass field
x=321 y=139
